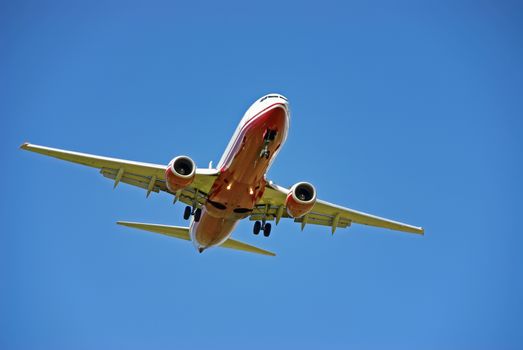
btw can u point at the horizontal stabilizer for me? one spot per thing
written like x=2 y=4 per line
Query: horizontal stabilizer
x=172 y=231
x=237 y=245
x=183 y=233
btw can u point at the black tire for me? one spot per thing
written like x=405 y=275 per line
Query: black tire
x=267 y=230
x=187 y=213
x=197 y=214
x=257 y=227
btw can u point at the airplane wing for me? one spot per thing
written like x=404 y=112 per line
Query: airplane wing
x=150 y=177
x=272 y=206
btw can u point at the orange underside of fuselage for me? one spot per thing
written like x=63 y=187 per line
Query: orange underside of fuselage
x=241 y=182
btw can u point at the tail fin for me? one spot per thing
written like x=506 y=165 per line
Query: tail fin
x=183 y=233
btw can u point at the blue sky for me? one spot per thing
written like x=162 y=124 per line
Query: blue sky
x=408 y=110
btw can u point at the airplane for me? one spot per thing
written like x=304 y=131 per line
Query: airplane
x=218 y=198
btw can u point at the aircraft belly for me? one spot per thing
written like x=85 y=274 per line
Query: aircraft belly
x=212 y=230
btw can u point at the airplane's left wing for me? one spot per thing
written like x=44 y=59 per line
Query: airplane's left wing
x=272 y=207
x=150 y=177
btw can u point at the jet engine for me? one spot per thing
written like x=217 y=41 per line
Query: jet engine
x=301 y=199
x=180 y=173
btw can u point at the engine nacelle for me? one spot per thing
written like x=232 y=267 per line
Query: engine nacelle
x=301 y=199
x=180 y=173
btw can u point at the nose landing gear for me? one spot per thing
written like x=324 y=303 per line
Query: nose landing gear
x=269 y=136
x=262 y=226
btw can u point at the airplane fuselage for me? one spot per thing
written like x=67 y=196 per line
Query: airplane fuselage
x=241 y=182
x=218 y=198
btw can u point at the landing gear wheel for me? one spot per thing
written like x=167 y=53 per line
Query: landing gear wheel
x=257 y=227
x=197 y=214
x=267 y=230
x=187 y=213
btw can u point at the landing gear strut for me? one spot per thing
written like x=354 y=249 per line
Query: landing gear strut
x=259 y=226
x=269 y=136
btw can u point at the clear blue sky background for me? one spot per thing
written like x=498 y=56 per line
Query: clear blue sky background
x=408 y=110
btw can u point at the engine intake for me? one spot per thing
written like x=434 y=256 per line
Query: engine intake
x=301 y=199
x=180 y=173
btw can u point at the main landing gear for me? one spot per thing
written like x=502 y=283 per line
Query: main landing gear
x=192 y=211
x=265 y=227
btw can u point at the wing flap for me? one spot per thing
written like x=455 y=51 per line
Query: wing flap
x=135 y=180
x=323 y=220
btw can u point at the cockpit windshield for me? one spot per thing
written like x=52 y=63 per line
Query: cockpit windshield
x=272 y=96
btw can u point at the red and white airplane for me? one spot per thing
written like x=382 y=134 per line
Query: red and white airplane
x=218 y=198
